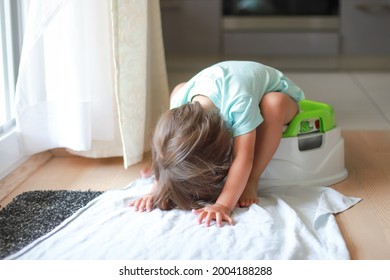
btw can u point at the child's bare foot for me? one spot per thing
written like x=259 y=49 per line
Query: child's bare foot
x=248 y=197
x=146 y=172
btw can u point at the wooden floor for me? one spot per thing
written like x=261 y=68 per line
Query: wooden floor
x=365 y=227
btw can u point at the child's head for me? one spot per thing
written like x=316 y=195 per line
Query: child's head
x=191 y=157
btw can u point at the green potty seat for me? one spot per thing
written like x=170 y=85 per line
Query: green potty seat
x=313 y=117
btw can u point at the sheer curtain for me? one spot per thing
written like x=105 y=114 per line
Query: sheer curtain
x=88 y=77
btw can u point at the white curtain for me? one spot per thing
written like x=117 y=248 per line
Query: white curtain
x=86 y=78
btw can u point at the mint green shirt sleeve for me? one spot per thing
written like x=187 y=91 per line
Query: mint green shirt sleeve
x=244 y=116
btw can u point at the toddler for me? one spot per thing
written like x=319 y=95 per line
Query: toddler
x=210 y=149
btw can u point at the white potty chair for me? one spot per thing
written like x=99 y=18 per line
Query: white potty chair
x=311 y=151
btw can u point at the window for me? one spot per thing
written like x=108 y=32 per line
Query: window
x=11 y=33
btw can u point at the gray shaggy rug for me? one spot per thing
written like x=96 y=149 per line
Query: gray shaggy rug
x=33 y=214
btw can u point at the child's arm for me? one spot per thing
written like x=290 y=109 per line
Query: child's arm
x=243 y=153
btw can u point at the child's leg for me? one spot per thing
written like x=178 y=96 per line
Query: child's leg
x=277 y=110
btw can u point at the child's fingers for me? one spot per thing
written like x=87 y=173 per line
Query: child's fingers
x=218 y=219
x=149 y=204
x=139 y=205
x=209 y=218
x=136 y=204
x=206 y=217
x=142 y=205
x=202 y=214
x=228 y=219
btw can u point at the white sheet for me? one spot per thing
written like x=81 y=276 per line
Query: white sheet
x=289 y=223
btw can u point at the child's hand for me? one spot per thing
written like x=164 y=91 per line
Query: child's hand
x=216 y=212
x=142 y=204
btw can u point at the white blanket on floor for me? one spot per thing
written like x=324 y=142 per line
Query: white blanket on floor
x=288 y=223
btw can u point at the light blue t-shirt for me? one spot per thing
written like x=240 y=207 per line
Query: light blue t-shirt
x=236 y=89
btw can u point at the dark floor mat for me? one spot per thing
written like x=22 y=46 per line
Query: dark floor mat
x=33 y=214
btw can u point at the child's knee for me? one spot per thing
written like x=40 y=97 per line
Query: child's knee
x=278 y=108
x=271 y=107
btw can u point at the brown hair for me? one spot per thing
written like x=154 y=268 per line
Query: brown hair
x=191 y=152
